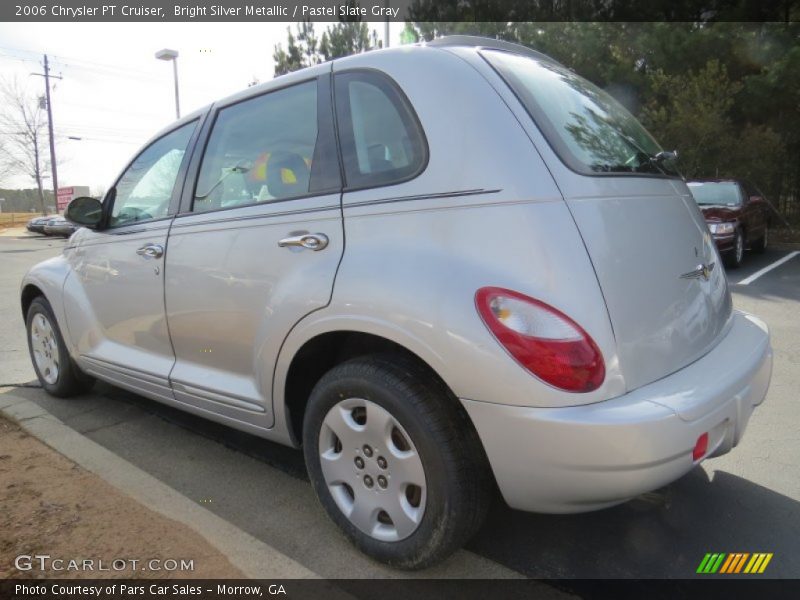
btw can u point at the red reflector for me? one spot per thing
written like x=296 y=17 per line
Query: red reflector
x=701 y=447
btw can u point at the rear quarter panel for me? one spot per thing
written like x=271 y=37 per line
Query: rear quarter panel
x=485 y=212
x=642 y=233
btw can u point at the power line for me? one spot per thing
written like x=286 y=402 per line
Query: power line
x=111 y=128
x=61 y=60
x=79 y=129
x=95 y=107
x=20 y=59
x=99 y=68
x=113 y=72
x=101 y=140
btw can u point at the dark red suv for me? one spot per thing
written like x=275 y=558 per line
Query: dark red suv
x=736 y=214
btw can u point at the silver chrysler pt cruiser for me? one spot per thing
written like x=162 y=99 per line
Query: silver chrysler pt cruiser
x=439 y=269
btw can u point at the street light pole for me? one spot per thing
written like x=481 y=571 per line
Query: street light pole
x=167 y=54
x=177 y=97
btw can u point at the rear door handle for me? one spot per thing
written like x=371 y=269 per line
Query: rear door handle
x=311 y=241
x=151 y=251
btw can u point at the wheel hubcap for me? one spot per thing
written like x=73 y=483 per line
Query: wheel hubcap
x=45 y=348
x=372 y=469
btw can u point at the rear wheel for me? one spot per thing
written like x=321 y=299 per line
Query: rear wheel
x=57 y=372
x=736 y=256
x=394 y=461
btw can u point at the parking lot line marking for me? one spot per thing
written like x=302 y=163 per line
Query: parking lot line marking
x=768 y=268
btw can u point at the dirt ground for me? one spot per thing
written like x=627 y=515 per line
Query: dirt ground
x=51 y=506
x=5 y=230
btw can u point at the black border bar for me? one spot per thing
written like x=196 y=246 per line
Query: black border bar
x=711 y=588
x=398 y=10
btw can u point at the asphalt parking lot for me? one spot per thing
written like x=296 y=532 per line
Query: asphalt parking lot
x=746 y=501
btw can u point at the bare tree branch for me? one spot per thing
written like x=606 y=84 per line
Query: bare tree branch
x=23 y=134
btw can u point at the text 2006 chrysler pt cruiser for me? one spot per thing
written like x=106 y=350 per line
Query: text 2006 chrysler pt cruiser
x=431 y=267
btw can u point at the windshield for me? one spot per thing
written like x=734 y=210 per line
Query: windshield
x=588 y=128
x=724 y=193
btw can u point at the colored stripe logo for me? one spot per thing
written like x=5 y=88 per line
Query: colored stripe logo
x=735 y=562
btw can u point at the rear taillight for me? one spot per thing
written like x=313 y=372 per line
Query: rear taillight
x=542 y=339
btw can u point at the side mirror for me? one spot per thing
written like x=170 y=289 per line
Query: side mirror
x=85 y=211
x=755 y=199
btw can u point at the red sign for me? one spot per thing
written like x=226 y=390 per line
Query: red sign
x=64 y=197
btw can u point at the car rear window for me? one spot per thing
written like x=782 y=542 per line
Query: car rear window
x=589 y=130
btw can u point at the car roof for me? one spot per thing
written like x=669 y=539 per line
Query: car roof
x=452 y=41
x=478 y=42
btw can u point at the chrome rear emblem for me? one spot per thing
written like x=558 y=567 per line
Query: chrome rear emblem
x=701 y=272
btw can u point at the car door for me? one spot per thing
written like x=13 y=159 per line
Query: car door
x=256 y=246
x=114 y=295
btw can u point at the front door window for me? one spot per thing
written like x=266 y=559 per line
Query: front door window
x=144 y=191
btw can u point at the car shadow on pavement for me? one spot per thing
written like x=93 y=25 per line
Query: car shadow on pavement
x=664 y=534
x=107 y=405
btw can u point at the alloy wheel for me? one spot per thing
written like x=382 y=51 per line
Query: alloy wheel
x=372 y=469
x=45 y=348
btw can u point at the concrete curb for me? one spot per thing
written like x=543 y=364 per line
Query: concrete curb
x=252 y=557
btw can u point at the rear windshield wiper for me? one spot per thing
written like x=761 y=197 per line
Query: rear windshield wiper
x=664 y=155
x=655 y=160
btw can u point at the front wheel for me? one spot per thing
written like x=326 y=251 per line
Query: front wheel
x=57 y=372
x=394 y=461
x=736 y=256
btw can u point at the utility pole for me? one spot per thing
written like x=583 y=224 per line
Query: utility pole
x=53 y=167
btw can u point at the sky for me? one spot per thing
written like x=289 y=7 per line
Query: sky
x=114 y=94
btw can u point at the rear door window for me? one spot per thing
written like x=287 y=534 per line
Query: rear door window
x=267 y=149
x=382 y=142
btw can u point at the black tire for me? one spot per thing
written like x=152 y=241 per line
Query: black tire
x=734 y=258
x=70 y=380
x=458 y=479
x=760 y=245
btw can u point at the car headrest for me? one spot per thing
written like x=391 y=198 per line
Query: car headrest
x=287 y=174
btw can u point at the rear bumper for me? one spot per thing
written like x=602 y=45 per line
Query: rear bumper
x=587 y=457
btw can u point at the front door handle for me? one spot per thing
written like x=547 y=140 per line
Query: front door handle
x=312 y=241
x=151 y=251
